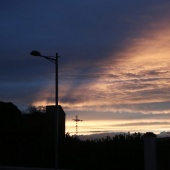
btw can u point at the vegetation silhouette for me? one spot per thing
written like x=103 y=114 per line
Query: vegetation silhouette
x=122 y=152
x=28 y=140
x=25 y=139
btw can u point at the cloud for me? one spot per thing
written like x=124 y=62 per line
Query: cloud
x=143 y=124
x=114 y=56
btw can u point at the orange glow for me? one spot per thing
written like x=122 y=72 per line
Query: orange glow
x=90 y=127
x=133 y=80
x=42 y=103
x=143 y=67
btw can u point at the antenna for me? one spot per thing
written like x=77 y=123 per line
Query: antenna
x=77 y=120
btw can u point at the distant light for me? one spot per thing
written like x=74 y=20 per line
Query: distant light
x=35 y=53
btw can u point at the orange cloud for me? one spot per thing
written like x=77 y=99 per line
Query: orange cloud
x=134 y=79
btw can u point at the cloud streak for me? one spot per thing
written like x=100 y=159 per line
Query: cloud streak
x=146 y=71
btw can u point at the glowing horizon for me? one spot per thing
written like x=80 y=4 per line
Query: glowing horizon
x=141 y=69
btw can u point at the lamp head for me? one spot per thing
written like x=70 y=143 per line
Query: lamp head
x=35 y=53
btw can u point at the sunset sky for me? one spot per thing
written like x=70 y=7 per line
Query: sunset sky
x=114 y=69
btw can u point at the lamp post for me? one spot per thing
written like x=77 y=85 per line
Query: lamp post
x=53 y=59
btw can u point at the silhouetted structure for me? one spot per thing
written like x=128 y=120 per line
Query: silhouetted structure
x=28 y=140
x=8 y=110
x=53 y=59
x=50 y=110
x=77 y=120
x=150 y=151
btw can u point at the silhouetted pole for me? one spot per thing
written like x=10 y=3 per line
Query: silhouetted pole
x=56 y=118
x=150 y=151
x=56 y=115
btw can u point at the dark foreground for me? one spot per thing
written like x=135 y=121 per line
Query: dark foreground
x=29 y=141
x=120 y=152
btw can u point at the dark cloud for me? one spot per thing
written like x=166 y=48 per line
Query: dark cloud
x=115 y=116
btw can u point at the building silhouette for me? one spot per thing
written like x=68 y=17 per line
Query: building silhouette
x=28 y=140
x=51 y=111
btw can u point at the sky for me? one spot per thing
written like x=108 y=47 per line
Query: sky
x=114 y=69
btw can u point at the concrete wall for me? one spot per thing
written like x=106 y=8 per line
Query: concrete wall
x=51 y=111
x=150 y=151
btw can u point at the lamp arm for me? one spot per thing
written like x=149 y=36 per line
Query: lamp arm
x=53 y=60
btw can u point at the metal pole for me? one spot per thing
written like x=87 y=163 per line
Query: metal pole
x=56 y=117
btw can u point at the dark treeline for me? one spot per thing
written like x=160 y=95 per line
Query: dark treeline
x=122 y=152
x=28 y=140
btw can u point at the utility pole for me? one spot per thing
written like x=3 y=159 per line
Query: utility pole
x=77 y=120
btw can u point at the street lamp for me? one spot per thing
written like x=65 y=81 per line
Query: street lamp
x=53 y=59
